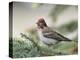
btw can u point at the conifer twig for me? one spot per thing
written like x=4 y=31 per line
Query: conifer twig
x=23 y=35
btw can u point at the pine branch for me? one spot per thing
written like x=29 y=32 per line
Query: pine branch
x=49 y=51
x=26 y=37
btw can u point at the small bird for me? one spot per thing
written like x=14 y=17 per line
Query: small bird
x=47 y=35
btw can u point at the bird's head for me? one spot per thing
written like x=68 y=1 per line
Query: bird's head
x=41 y=23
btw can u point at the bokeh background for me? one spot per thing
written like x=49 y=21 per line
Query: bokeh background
x=61 y=18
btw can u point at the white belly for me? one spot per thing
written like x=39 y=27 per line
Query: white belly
x=46 y=40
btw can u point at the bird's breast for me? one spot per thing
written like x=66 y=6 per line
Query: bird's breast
x=46 y=40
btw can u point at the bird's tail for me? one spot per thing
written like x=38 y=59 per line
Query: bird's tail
x=66 y=39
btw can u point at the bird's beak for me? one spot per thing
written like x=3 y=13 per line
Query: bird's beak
x=37 y=23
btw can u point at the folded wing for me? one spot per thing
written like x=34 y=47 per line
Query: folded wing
x=48 y=33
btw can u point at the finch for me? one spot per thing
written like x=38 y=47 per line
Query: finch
x=47 y=35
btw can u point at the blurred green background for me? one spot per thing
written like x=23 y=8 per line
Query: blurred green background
x=61 y=18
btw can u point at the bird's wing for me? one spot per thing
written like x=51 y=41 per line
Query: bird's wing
x=48 y=33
